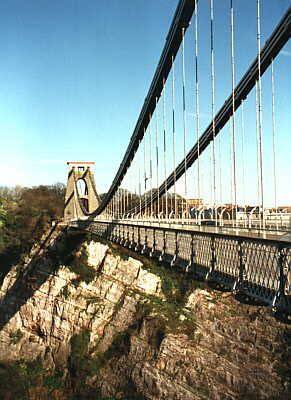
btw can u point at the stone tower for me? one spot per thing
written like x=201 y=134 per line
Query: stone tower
x=81 y=195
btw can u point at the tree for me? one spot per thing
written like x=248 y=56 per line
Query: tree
x=24 y=215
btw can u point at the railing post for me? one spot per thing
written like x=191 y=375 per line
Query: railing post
x=280 y=294
x=238 y=284
x=213 y=259
x=126 y=243
x=164 y=246
x=137 y=247
x=152 y=252
x=121 y=234
x=176 y=250
x=191 y=264
x=130 y=242
x=143 y=250
x=113 y=234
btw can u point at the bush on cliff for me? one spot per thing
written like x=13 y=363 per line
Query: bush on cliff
x=24 y=214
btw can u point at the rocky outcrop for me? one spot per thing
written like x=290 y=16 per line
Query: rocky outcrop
x=122 y=327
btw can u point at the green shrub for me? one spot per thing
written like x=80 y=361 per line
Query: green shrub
x=78 y=360
x=54 y=381
x=15 y=337
x=65 y=292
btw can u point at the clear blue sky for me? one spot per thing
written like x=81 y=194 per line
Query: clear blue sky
x=74 y=75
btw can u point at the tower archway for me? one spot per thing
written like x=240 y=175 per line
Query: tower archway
x=81 y=196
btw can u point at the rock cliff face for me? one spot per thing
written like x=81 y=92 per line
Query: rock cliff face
x=95 y=323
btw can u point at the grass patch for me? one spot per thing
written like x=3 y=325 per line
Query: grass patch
x=176 y=319
x=175 y=284
x=78 y=360
x=54 y=382
x=65 y=292
x=15 y=337
x=26 y=379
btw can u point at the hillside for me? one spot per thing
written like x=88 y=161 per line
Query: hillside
x=82 y=320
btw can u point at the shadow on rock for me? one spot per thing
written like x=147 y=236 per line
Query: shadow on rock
x=35 y=274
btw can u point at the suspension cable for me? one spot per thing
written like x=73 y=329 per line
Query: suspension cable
x=260 y=111
x=123 y=193
x=127 y=192
x=274 y=142
x=124 y=196
x=114 y=204
x=233 y=105
x=145 y=172
x=197 y=101
x=139 y=178
x=165 y=147
x=131 y=188
x=231 y=167
x=157 y=156
x=151 y=166
x=136 y=182
x=258 y=147
x=118 y=203
x=174 y=133
x=243 y=159
x=213 y=106
x=184 y=116
x=121 y=197
x=220 y=169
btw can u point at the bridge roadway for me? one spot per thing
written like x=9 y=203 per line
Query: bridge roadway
x=228 y=228
x=243 y=261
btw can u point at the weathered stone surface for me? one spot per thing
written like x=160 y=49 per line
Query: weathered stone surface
x=227 y=350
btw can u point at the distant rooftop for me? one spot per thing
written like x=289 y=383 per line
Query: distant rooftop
x=80 y=162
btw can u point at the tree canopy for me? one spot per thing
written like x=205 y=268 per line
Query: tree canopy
x=24 y=215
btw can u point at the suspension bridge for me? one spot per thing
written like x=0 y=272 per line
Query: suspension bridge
x=204 y=184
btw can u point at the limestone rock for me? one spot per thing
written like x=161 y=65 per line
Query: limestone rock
x=230 y=350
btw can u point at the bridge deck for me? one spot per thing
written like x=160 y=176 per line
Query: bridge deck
x=189 y=225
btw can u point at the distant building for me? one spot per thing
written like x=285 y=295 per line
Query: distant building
x=195 y=203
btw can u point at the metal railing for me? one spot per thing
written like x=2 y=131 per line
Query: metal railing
x=260 y=268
